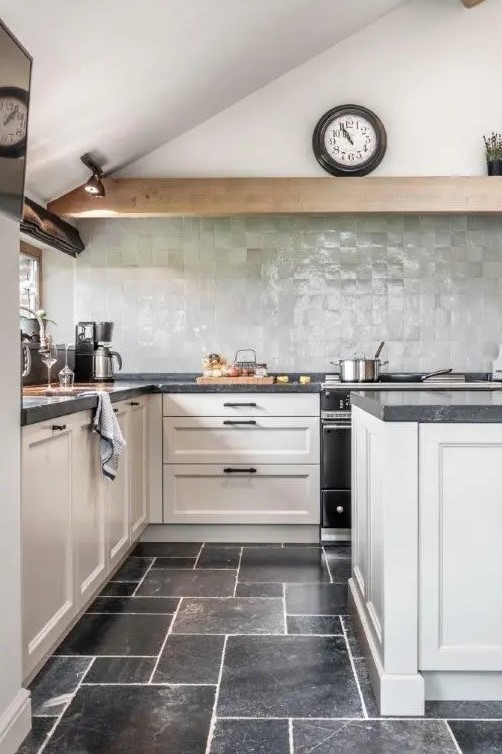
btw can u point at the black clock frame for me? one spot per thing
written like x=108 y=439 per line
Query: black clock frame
x=325 y=159
x=18 y=149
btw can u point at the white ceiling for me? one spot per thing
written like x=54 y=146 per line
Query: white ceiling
x=121 y=77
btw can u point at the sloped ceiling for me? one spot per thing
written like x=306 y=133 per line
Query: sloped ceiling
x=119 y=78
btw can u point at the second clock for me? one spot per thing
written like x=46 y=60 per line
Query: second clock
x=349 y=140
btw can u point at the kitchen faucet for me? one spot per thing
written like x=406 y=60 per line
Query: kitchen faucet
x=41 y=323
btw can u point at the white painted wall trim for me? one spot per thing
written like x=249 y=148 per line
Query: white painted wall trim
x=15 y=722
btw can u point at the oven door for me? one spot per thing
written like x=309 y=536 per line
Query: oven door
x=336 y=456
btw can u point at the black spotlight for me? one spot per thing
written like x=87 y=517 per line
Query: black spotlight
x=94 y=185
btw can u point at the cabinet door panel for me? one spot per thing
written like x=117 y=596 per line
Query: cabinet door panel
x=235 y=405
x=137 y=454
x=48 y=577
x=88 y=508
x=461 y=558
x=117 y=499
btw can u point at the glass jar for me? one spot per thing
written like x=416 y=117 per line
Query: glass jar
x=261 y=370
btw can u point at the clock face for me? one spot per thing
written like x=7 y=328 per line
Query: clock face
x=13 y=121
x=349 y=140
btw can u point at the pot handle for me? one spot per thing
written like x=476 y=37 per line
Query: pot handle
x=385 y=363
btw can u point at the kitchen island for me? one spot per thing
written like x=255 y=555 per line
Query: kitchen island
x=427 y=563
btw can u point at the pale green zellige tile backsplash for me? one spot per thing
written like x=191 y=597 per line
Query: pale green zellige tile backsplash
x=300 y=289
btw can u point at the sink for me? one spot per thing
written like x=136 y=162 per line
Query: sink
x=56 y=392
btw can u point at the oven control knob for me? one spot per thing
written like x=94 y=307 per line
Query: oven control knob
x=339 y=508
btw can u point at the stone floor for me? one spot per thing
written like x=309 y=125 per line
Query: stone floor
x=223 y=649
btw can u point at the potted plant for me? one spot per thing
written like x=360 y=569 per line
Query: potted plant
x=493 y=148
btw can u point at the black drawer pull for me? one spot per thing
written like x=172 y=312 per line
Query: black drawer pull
x=58 y=427
x=237 y=421
x=239 y=471
x=134 y=403
x=115 y=410
x=236 y=405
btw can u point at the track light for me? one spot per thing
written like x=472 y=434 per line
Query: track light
x=94 y=185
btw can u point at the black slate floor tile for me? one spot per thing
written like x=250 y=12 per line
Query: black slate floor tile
x=452 y=710
x=478 y=736
x=372 y=737
x=341 y=570
x=195 y=583
x=118 y=589
x=52 y=688
x=366 y=688
x=338 y=552
x=135 y=719
x=133 y=569
x=249 y=615
x=288 y=676
x=287 y=564
x=121 y=670
x=250 y=737
x=259 y=590
x=130 y=605
x=190 y=659
x=355 y=645
x=167 y=549
x=116 y=635
x=314 y=624
x=219 y=557
x=174 y=563
x=41 y=727
x=316 y=599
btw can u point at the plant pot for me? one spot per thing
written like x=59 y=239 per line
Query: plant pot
x=494 y=167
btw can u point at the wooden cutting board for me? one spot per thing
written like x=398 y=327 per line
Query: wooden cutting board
x=235 y=380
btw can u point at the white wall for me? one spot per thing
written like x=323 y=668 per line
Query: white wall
x=431 y=70
x=58 y=292
x=12 y=699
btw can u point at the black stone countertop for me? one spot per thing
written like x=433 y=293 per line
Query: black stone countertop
x=482 y=407
x=41 y=408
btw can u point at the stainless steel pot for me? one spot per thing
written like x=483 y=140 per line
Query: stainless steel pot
x=359 y=370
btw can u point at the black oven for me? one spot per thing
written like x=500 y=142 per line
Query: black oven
x=335 y=465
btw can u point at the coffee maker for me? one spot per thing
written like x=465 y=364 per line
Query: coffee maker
x=93 y=355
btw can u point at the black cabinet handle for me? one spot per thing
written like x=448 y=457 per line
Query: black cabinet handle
x=237 y=421
x=134 y=403
x=115 y=410
x=58 y=427
x=239 y=471
x=236 y=405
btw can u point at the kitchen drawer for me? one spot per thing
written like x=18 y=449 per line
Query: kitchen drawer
x=336 y=509
x=275 y=439
x=241 y=404
x=257 y=494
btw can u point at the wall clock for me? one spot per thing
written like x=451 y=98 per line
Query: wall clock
x=13 y=121
x=349 y=140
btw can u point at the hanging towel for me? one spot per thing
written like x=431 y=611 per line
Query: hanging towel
x=112 y=441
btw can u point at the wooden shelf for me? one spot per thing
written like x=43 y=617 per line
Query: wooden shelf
x=222 y=197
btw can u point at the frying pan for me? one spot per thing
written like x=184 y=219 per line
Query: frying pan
x=412 y=376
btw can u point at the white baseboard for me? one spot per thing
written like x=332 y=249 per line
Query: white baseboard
x=396 y=695
x=15 y=723
x=231 y=533
x=450 y=685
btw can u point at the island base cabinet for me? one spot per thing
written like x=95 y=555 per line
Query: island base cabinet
x=48 y=563
x=460 y=525
x=241 y=494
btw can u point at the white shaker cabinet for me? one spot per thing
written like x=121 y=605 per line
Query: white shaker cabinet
x=117 y=497
x=48 y=563
x=137 y=447
x=88 y=507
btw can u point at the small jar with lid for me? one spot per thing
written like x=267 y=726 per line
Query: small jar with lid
x=261 y=370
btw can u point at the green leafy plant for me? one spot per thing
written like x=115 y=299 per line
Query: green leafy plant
x=493 y=146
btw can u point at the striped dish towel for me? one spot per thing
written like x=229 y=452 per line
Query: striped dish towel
x=112 y=441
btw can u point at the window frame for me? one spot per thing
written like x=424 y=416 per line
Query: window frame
x=27 y=249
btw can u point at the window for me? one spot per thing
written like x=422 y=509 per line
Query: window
x=30 y=268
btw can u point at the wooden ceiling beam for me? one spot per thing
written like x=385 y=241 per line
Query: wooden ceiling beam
x=223 y=197
x=471 y=3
